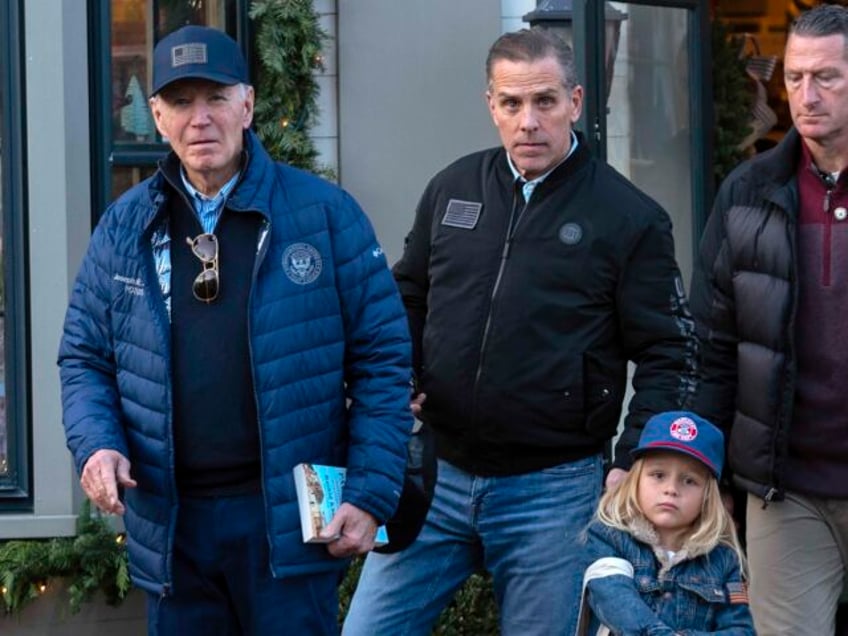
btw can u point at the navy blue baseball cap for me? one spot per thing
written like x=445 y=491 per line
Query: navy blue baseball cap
x=198 y=52
x=683 y=432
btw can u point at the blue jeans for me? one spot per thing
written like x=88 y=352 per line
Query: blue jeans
x=222 y=582
x=521 y=528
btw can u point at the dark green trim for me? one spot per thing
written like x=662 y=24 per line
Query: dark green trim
x=100 y=98
x=15 y=489
x=701 y=118
x=596 y=99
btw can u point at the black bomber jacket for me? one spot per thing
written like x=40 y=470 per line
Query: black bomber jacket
x=523 y=336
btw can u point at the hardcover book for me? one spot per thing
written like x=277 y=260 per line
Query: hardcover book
x=319 y=495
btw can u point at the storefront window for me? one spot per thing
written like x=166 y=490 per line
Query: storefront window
x=4 y=197
x=132 y=37
x=4 y=460
x=14 y=480
x=124 y=177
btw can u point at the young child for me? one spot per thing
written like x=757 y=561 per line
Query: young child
x=664 y=552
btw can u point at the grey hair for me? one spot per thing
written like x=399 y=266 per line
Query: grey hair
x=530 y=45
x=821 y=21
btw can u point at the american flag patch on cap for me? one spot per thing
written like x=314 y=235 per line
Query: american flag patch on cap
x=191 y=53
x=737 y=593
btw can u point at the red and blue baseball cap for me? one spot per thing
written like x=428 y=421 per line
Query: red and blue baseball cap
x=198 y=52
x=683 y=432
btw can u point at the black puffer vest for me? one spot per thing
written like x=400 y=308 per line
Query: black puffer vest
x=744 y=298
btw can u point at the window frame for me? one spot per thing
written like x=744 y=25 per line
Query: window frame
x=15 y=488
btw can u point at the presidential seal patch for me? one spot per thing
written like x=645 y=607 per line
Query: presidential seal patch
x=302 y=263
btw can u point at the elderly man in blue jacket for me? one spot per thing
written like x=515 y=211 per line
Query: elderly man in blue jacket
x=232 y=318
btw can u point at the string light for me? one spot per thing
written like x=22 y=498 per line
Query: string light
x=119 y=539
x=3 y=590
x=284 y=122
x=42 y=587
x=319 y=59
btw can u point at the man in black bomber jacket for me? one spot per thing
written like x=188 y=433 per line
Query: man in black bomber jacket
x=532 y=275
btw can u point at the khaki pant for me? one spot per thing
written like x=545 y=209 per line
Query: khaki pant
x=797 y=556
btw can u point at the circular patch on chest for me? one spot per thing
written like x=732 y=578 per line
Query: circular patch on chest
x=570 y=233
x=302 y=263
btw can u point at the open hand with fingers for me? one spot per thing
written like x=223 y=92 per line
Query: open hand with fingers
x=103 y=474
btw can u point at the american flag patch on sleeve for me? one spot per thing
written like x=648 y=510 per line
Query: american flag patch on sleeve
x=737 y=593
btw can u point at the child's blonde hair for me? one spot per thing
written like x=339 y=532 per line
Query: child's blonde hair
x=619 y=508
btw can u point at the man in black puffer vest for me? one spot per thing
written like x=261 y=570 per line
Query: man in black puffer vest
x=770 y=296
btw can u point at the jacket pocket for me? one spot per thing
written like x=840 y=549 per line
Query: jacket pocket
x=604 y=381
x=707 y=591
x=702 y=602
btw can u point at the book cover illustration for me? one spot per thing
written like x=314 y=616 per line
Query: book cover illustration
x=319 y=495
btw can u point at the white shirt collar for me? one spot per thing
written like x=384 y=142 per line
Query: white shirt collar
x=528 y=186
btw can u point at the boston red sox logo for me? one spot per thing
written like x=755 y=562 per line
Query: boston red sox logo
x=683 y=429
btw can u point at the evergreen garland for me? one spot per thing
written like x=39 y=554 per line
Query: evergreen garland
x=94 y=560
x=732 y=98
x=288 y=45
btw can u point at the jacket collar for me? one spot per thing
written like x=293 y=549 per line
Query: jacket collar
x=253 y=192
x=579 y=158
x=642 y=530
x=774 y=171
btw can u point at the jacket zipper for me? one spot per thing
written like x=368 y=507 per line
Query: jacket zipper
x=161 y=316
x=261 y=250
x=787 y=396
x=769 y=496
x=827 y=256
x=510 y=232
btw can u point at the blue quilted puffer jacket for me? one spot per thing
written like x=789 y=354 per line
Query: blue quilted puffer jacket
x=329 y=349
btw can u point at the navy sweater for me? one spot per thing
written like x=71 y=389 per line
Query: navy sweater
x=216 y=434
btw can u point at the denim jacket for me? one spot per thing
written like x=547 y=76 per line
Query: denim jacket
x=692 y=593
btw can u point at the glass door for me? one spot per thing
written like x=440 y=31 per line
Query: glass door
x=653 y=85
